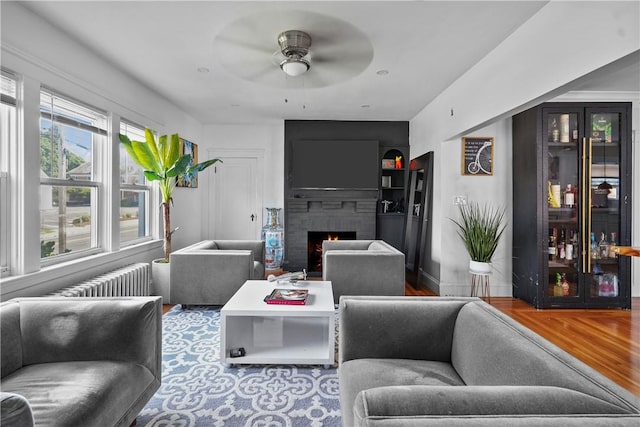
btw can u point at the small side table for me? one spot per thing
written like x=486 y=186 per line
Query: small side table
x=480 y=285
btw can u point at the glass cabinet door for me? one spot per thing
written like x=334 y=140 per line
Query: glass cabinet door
x=562 y=131
x=602 y=221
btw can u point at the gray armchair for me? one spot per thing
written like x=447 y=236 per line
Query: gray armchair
x=439 y=361
x=211 y=271
x=89 y=362
x=362 y=267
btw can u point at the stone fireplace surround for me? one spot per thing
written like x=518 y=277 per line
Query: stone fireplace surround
x=305 y=215
x=314 y=246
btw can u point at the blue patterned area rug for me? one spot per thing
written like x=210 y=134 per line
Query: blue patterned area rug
x=197 y=390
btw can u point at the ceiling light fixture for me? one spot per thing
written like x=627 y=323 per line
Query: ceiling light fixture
x=294 y=66
x=294 y=45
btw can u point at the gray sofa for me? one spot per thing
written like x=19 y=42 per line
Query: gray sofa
x=430 y=361
x=79 y=361
x=362 y=267
x=210 y=272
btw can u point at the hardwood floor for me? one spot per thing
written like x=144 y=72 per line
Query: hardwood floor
x=606 y=340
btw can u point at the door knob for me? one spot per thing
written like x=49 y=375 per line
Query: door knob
x=252 y=217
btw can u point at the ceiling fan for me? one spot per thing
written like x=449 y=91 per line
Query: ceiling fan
x=333 y=49
x=293 y=56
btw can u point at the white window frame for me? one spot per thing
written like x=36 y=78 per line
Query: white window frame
x=96 y=184
x=7 y=97
x=145 y=188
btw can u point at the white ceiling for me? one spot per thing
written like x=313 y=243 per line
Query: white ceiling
x=423 y=45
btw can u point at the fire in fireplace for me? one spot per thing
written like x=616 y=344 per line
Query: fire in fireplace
x=314 y=246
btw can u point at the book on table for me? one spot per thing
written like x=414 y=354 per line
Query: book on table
x=287 y=296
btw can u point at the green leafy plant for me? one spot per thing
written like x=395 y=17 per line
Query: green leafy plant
x=162 y=162
x=46 y=248
x=480 y=228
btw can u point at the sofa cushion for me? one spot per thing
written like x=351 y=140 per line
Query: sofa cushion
x=15 y=411
x=378 y=246
x=490 y=348
x=258 y=270
x=415 y=401
x=204 y=245
x=80 y=393
x=11 y=338
x=257 y=247
x=67 y=330
x=362 y=374
x=406 y=329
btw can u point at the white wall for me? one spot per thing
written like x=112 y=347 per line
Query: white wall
x=538 y=61
x=267 y=137
x=494 y=189
x=535 y=63
x=43 y=55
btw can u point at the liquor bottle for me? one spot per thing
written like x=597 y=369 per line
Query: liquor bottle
x=564 y=283
x=557 y=289
x=568 y=249
x=552 y=247
x=555 y=131
x=569 y=197
x=594 y=247
x=555 y=193
x=603 y=246
x=612 y=245
x=564 y=128
x=561 y=246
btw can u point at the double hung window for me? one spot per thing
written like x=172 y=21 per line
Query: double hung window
x=72 y=138
x=7 y=139
x=135 y=191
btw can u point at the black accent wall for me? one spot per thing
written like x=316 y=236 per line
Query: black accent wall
x=337 y=210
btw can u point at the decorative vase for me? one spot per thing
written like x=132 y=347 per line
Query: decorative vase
x=273 y=236
x=479 y=267
x=161 y=279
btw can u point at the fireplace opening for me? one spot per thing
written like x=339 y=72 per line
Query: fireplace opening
x=314 y=246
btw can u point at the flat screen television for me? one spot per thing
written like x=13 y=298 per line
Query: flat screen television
x=334 y=165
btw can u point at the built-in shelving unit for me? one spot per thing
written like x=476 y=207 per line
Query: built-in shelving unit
x=392 y=195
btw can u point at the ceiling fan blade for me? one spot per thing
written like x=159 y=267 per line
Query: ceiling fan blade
x=235 y=43
x=263 y=74
x=339 y=51
x=277 y=57
x=315 y=79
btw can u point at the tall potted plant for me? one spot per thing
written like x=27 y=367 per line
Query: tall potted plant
x=162 y=162
x=480 y=228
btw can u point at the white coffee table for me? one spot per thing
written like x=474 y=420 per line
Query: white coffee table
x=279 y=333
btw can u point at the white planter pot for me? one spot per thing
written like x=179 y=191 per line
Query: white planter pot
x=161 y=280
x=479 y=267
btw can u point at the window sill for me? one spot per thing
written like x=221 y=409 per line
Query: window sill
x=54 y=277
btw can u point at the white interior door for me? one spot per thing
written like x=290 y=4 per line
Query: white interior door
x=235 y=201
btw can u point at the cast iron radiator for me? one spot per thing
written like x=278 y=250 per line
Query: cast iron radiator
x=128 y=281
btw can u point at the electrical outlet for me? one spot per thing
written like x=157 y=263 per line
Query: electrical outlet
x=460 y=200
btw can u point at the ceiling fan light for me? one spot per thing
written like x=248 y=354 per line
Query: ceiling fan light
x=294 y=66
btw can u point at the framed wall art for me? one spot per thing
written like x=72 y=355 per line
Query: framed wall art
x=188 y=180
x=477 y=155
